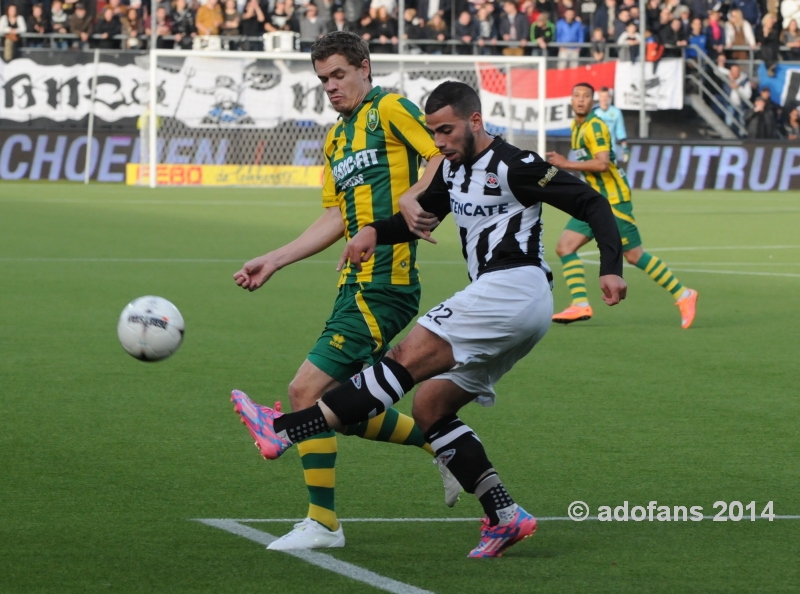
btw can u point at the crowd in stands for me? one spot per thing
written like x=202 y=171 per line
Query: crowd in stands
x=565 y=30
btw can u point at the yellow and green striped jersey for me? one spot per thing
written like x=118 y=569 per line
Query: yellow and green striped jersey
x=371 y=159
x=590 y=138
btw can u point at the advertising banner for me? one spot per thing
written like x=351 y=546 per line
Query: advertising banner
x=663 y=85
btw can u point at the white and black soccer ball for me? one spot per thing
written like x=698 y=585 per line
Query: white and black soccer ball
x=150 y=328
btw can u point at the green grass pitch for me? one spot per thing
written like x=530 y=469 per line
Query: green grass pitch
x=105 y=461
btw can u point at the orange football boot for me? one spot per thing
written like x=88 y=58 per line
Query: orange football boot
x=687 y=306
x=574 y=313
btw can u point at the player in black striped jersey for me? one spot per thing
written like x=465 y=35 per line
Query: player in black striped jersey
x=462 y=347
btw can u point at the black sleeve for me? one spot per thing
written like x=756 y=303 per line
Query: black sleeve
x=435 y=200
x=533 y=180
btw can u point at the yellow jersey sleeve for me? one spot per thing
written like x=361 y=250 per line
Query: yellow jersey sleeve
x=329 y=196
x=406 y=122
x=597 y=137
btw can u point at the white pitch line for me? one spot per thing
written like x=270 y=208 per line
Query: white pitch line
x=403 y=520
x=148 y=202
x=707 y=247
x=319 y=559
x=710 y=271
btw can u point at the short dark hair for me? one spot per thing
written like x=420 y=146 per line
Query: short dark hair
x=585 y=84
x=458 y=95
x=344 y=43
x=603 y=90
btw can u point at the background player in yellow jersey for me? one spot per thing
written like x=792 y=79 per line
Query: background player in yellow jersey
x=591 y=145
x=372 y=158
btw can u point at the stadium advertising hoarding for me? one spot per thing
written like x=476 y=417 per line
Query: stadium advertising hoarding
x=202 y=161
x=202 y=92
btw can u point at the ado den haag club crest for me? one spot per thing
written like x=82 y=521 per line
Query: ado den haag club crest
x=372 y=119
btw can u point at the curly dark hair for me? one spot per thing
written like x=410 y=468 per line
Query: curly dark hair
x=349 y=45
x=458 y=95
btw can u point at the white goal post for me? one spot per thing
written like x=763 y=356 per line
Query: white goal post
x=258 y=118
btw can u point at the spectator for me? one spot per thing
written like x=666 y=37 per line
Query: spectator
x=514 y=27
x=628 y=43
x=353 y=9
x=598 y=45
x=108 y=27
x=792 y=127
x=738 y=32
x=325 y=10
x=697 y=39
x=414 y=25
x=770 y=106
x=231 y=24
x=252 y=24
x=426 y=9
x=768 y=37
x=487 y=31
x=738 y=84
x=183 y=25
x=672 y=34
x=466 y=32
x=38 y=23
x=11 y=25
x=715 y=34
x=278 y=19
x=605 y=18
x=375 y=6
x=384 y=32
x=791 y=39
x=760 y=121
x=209 y=18
x=132 y=28
x=621 y=24
x=80 y=24
x=364 y=29
x=548 y=6
x=311 y=27
x=70 y=6
x=60 y=22
x=652 y=14
x=436 y=29
x=338 y=23
x=684 y=14
x=163 y=28
x=543 y=33
x=569 y=30
x=702 y=9
x=117 y=7
x=749 y=8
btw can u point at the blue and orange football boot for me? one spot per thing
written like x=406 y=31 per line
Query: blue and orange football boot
x=260 y=421
x=496 y=539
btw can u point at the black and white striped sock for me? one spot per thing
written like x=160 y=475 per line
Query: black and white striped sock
x=366 y=395
x=370 y=392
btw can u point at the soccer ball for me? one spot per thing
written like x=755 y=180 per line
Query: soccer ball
x=150 y=328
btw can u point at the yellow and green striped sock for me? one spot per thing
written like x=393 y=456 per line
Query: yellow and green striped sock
x=393 y=427
x=318 y=455
x=660 y=273
x=575 y=275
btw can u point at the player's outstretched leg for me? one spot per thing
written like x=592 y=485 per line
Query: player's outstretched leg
x=506 y=523
x=685 y=298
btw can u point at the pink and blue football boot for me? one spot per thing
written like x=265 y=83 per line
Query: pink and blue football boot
x=260 y=421
x=496 y=539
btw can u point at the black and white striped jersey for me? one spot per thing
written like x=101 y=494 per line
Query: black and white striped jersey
x=496 y=201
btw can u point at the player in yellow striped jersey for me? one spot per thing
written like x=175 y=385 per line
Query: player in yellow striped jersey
x=596 y=161
x=372 y=159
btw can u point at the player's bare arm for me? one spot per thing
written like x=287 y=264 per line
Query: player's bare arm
x=322 y=234
x=418 y=220
x=598 y=164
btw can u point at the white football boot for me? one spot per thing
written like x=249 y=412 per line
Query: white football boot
x=452 y=488
x=309 y=534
